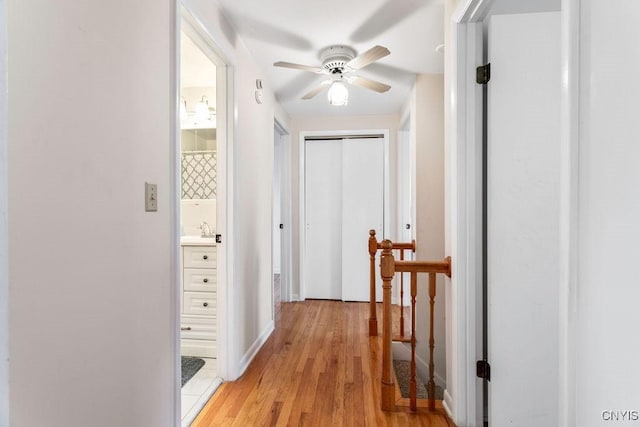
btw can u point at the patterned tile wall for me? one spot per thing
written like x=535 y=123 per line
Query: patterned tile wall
x=199 y=175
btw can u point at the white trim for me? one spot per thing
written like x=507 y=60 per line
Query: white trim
x=470 y=11
x=4 y=223
x=286 y=272
x=463 y=398
x=174 y=203
x=569 y=164
x=255 y=348
x=301 y=186
x=447 y=402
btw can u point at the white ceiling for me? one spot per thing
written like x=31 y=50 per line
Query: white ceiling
x=296 y=30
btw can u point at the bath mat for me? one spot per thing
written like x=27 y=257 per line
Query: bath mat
x=190 y=365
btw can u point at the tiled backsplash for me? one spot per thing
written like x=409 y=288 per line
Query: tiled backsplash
x=199 y=175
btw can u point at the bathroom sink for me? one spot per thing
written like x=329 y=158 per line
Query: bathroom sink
x=197 y=240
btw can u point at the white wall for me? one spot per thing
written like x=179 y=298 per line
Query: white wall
x=307 y=124
x=93 y=302
x=4 y=262
x=426 y=109
x=250 y=291
x=604 y=292
x=93 y=293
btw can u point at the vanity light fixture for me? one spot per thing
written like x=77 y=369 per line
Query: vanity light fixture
x=183 y=108
x=338 y=94
x=202 y=111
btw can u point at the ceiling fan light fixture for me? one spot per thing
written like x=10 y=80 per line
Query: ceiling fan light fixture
x=338 y=94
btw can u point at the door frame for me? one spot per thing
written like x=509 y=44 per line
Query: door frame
x=285 y=211
x=464 y=199
x=301 y=189
x=4 y=227
x=187 y=20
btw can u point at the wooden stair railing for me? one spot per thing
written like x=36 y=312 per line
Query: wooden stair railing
x=388 y=267
x=374 y=245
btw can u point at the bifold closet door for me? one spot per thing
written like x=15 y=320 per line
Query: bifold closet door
x=362 y=210
x=344 y=199
x=323 y=216
x=523 y=177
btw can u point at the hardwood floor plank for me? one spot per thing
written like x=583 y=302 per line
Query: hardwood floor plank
x=319 y=368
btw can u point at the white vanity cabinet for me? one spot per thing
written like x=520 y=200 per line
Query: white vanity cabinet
x=198 y=300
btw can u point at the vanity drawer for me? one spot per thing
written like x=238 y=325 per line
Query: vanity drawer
x=199 y=303
x=200 y=279
x=197 y=327
x=199 y=256
x=198 y=348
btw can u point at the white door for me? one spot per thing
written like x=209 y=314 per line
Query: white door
x=323 y=212
x=344 y=199
x=523 y=218
x=362 y=210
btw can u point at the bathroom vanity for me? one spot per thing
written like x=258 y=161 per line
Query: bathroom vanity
x=198 y=297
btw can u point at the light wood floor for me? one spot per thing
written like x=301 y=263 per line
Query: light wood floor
x=319 y=368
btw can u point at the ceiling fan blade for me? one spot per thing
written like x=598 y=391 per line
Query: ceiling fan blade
x=299 y=67
x=368 y=57
x=369 y=84
x=316 y=90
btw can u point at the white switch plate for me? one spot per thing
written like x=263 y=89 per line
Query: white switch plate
x=150 y=197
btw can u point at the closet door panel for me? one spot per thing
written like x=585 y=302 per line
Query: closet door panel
x=362 y=210
x=323 y=212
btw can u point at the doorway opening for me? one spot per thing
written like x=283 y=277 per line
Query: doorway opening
x=203 y=101
x=281 y=222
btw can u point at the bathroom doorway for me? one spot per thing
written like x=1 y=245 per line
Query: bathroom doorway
x=203 y=136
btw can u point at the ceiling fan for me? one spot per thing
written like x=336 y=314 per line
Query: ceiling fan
x=340 y=62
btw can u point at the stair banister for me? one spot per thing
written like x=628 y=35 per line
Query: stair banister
x=388 y=267
x=374 y=246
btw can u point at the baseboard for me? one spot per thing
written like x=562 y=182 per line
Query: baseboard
x=255 y=347
x=402 y=351
x=447 y=404
x=295 y=297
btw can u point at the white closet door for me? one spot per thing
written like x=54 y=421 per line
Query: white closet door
x=523 y=218
x=362 y=210
x=323 y=212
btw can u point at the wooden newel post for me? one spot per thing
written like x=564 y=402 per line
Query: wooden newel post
x=373 y=248
x=387 y=269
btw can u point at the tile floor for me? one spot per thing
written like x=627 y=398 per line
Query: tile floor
x=197 y=391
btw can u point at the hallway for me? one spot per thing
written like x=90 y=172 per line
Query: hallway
x=315 y=369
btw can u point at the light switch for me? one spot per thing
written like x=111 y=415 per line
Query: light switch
x=150 y=197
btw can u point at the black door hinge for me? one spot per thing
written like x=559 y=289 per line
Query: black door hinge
x=218 y=238
x=483 y=74
x=483 y=370
x=281 y=226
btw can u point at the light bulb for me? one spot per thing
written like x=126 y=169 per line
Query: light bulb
x=338 y=94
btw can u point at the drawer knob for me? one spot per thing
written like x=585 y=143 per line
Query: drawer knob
x=205 y=280
x=205 y=304
x=188 y=328
x=205 y=257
